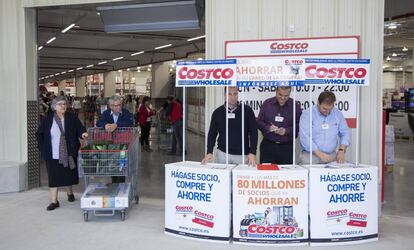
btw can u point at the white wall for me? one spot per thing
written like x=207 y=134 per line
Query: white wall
x=395 y=80
x=80 y=86
x=261 y=19
x=109 y=83
x=141 y=79
x=13 y=97
x=160 y=78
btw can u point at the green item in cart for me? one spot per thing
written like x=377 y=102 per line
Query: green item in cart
x=114 y=147
x=122 y=154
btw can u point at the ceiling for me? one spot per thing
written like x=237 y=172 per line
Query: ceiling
x=78 y=51
x=87 y=43
x=399 y=44
x=398 y=35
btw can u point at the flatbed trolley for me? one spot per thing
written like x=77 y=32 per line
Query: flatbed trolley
x=109 y=154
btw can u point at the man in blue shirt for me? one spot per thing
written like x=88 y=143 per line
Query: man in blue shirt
x=328 y=124
x=113 y=118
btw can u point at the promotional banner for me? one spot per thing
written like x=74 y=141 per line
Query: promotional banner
x=270 y=72
x=197 y=200
x=337 y=71
x=270 y=207
x=203 y=73
x=320 y=47
x=343 y=204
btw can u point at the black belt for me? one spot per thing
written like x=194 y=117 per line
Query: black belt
x=278 y=142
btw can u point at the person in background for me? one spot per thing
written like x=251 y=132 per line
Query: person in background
x=145 y=113
x=58 y=142
x=218 y=127
x=328 y=125
x=275 y=121
x=101 y=104
x=89 y=110
x=113 y=118
x=175 y=113
x=130 y=104
x=43 y=107
x=77 y=106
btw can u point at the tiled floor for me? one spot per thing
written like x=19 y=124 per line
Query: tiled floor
x=25 y=223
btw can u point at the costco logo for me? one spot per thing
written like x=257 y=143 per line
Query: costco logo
x=183 y=209
x=215 y=73
x=255 y=229
x=313 y=71
x=288 y=47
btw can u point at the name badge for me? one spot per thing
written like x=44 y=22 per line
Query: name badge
x=325 y=126
x=231 y=115
x=279 y=118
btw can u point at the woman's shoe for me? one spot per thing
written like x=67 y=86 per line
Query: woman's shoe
x=71 y=197
x=148 y=149
x=52 y=206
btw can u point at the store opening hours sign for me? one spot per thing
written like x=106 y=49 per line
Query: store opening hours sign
x=324 y=47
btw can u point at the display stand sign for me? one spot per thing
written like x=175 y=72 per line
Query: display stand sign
x=302 y=71
x=337 y=71
x=270 y=72
x=343 y=204
x=206 y=73
x=270 y=207
x=198 y=200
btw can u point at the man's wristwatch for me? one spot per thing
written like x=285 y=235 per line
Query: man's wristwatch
x=342 y=149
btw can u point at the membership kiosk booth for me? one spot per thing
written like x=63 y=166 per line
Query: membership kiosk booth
x=325 y=204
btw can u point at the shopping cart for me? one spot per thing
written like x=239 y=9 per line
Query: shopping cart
x=164 y=132
x=109 y=154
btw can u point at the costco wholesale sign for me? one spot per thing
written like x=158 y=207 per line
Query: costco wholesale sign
x=270 y=207
x=197 y=200
x=337 y=71
x=206 y=73
x=343 y=204
x=325 y=47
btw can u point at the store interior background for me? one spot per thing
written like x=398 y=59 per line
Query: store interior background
x=85 y=60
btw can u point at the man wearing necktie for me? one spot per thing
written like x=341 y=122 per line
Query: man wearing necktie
x=113 y=118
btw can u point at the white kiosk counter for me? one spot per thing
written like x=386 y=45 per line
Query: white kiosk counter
x=270 y=206
x=343 y=204
x=197 y=200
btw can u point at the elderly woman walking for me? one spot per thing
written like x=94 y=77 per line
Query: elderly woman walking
x=58 y=141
